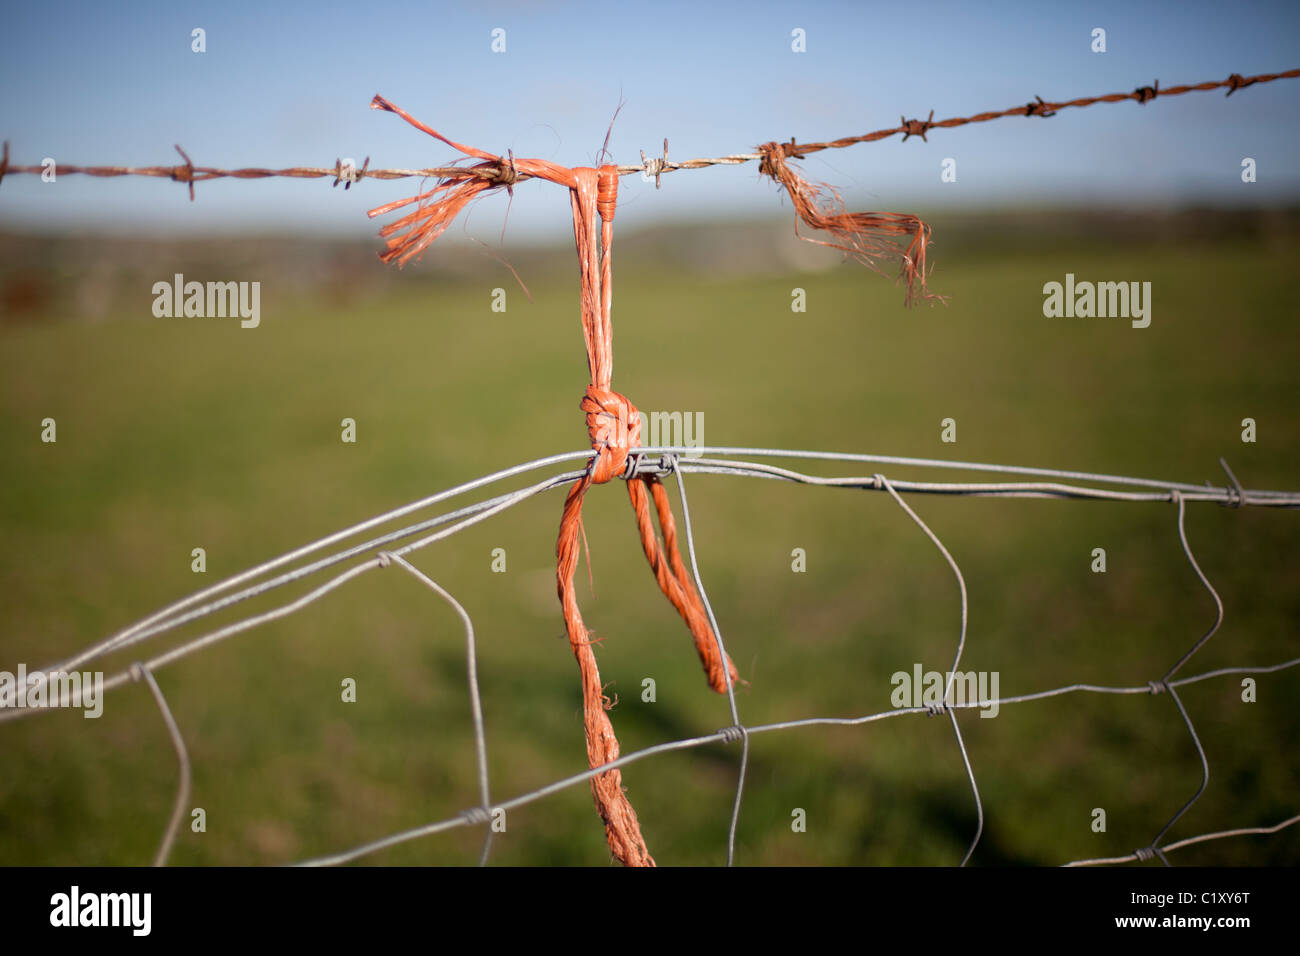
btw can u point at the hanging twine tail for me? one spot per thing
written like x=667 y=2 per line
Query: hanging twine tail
x=670 y=573
x=870 y=237
x=613 y=425
x=622 y=829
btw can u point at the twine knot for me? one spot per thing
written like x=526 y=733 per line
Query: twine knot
x=774 y=157
x=614 y=426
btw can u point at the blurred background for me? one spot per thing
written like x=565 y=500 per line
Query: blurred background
x=187 y=432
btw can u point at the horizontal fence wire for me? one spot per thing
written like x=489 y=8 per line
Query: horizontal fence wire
x=653 y=166
x=392 y=548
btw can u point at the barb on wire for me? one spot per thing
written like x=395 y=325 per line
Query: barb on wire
x=184 y=174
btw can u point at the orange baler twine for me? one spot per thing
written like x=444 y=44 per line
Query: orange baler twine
x=614 y=427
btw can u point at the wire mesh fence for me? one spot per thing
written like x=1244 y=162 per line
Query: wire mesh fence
x=318 y=563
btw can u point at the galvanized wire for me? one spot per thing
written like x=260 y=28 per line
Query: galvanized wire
x=140 y=672
x=383 y=550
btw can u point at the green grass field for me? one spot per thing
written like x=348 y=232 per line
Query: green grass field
x=182 y=433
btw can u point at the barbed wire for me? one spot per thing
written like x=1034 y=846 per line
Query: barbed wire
x=384 y=551
x=506 y=174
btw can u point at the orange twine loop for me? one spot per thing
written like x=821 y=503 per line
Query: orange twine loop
x=607 y=192
x=614 y=427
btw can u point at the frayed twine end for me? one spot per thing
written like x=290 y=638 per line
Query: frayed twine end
x=409 y=236
x=870 y=237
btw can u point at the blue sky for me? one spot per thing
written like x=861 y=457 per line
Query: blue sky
x=289 y=83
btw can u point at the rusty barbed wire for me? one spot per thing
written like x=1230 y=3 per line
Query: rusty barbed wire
x=505 y=173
